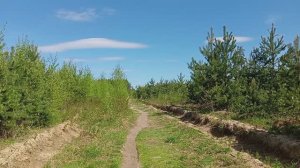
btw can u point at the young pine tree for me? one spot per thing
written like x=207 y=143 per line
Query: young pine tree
x=214 y=81
x=264 y=65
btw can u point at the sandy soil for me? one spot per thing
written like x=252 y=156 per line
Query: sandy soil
x=35 y=152
x=130 y=154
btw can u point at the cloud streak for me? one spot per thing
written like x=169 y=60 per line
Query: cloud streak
x=76 y=60
x=98 y=59
x=239 y=39
x=90 y=43
x=111 y=59
x=82 y=16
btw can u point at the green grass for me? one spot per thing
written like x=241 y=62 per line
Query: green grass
x=100 y=144
x=166 y=143
x=258 y=121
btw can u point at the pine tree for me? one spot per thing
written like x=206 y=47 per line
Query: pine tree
x=212 y=80
x=265 y=64
x=289 y=79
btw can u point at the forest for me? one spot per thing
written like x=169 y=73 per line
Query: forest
x=35 y=92
x=262 y=86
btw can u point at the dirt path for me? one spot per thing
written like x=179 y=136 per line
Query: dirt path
x=35 y=152
x=130 y=155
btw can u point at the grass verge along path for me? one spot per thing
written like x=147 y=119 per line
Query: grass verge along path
x=101 y=141
x=166 y=143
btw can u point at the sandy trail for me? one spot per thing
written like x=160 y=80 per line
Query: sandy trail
x=35 y=152
x=130 y=154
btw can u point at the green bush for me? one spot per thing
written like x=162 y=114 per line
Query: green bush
x=33 y=92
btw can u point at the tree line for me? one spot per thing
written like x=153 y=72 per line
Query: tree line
x=34 y=92
x=165 y=91
x=267 y=82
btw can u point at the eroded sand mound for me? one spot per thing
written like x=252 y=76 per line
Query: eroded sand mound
x=35 y=152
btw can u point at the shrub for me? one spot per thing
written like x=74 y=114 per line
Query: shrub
x=33 y=92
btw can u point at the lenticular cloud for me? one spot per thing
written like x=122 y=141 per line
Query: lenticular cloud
x=90 y=43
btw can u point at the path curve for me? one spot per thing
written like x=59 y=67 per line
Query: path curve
x=130 y=154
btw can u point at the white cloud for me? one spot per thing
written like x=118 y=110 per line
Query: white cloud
x=76 y=60
x=90 y=43
x=81 y=16
x=239 y=39
x=84 y=15
x=110 y=58
x=99 y=59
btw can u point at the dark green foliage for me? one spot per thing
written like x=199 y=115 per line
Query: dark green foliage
x=218 y=82
x=264 y=65
x=265 y=84
x=23 y=97
x=289 y=79
x=33 y=92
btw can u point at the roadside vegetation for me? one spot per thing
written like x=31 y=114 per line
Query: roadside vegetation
x=262 y=88
x=102 y=138
x=166 y=143
x=36 y=93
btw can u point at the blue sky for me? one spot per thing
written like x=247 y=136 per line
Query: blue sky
x=149 y=39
